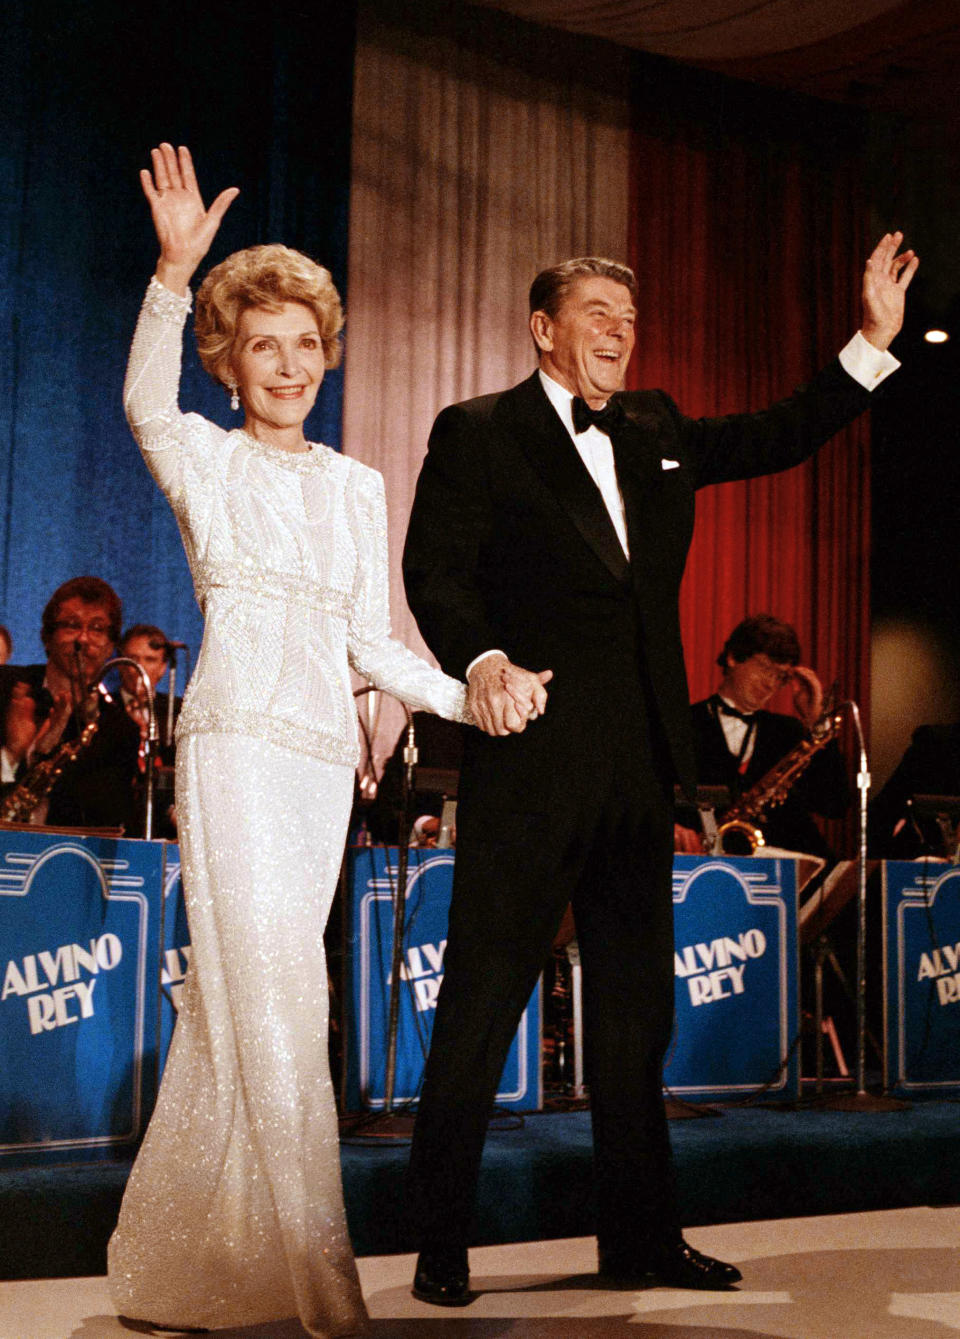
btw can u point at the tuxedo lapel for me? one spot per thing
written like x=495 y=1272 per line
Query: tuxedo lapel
x=535 y=425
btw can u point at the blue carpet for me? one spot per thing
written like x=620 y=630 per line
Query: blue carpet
x=752 y=1163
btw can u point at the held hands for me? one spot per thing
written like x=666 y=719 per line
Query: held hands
x=885 y=282
x=807 y=695
x=185 y=229
x=503 y=698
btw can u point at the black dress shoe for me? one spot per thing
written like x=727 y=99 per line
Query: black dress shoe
x=443 y=1278
x=673 y=1265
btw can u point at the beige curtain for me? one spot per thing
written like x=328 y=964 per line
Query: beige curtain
x=483 y=150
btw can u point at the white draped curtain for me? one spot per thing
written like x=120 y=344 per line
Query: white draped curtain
x=484 y=149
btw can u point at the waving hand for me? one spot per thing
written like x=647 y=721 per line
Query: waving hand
x=885 y=283
x=185 y=229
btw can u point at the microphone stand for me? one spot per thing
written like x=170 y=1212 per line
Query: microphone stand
x=150 y=744
x=79 y=689
x=410 y=758
x=365 y=1125
x=861 y=1100
x=171 y=696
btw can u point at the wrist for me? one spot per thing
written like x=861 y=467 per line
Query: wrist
x=487 y=659
x=175 y=276
x=880 y=337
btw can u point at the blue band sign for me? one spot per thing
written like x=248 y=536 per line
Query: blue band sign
x=176 y=949
x=921 y=926
x=372 y=877
x=735 y=972
x=78 y=1017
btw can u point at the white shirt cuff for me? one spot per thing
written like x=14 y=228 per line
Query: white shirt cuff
x=860 y=360
x=8 y=768
x=483 y=656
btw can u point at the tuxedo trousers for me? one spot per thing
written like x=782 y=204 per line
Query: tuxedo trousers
x=608 y=849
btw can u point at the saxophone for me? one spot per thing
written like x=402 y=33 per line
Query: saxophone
x=741 y=824
x=18 y=804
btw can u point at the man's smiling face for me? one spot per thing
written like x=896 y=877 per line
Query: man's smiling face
x=587 y=345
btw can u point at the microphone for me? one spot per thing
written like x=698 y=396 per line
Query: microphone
x=78 y=688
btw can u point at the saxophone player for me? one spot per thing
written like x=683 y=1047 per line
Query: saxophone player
x=47 y=705
x=738 y=741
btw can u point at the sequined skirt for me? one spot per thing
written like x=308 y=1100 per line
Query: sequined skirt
x=233 y=1213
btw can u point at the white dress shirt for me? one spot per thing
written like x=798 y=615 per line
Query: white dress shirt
x=735 y=732
x=595 y=449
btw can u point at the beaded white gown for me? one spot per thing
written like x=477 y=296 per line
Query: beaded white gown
x=233 y=1214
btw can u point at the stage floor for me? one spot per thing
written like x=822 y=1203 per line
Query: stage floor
x=887 y=1275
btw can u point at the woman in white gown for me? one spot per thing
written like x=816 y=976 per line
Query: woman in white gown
x=233 y=1213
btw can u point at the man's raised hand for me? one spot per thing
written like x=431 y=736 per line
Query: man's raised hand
x=807 y=695
x=886 y=279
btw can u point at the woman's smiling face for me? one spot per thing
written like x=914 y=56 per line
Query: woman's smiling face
x=278 y=362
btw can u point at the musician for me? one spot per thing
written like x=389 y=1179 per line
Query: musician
x=149 y=646
x=45 y=706
x=738 y=741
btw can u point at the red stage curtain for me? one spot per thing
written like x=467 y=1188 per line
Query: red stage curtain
x=748 y=236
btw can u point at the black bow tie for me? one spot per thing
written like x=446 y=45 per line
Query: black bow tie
x=728 y=710
x=606 y=419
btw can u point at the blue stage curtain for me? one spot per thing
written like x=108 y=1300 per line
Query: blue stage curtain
x=263 y=98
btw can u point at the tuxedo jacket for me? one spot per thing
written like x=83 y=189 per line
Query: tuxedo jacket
x=510 y=547
x=97 y=789
x=822 y=789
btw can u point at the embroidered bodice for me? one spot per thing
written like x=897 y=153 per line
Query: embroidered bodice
x=288 y=554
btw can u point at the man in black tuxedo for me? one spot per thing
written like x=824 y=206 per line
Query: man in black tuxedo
x=546 y=545
x=737 y=741
x=45 y=706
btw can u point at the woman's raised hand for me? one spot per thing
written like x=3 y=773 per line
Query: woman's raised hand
x=185 y=229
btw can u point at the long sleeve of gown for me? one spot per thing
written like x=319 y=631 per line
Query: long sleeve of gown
x=152 y=384
x=372 y=651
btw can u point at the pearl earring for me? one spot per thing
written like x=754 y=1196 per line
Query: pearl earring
x=234 y=397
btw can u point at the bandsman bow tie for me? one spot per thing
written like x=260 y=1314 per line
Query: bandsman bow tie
x=606 y=419
x=728 y=710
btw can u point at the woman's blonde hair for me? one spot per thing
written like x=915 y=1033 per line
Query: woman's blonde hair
x=262 y=276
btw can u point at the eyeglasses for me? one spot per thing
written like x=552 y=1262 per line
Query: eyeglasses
x=781 y=673
x=72 y=627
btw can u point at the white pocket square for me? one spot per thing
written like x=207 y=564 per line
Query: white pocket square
x=669 y=464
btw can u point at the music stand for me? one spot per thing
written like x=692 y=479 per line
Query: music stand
x=837 y=890
x=415 y=780
x=707 y=800
x=445 y=782
x=945 y=811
